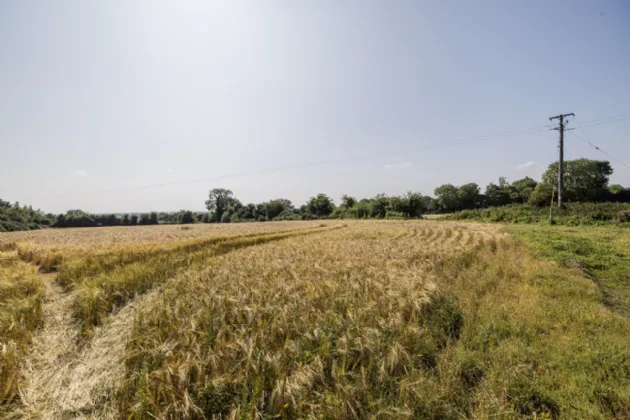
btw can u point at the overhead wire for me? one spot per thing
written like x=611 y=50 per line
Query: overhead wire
x=501 y=135
x=599 y=149
x=602 y=121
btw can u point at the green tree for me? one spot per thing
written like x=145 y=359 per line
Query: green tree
x=498 y=195
x=364 y=209
x=320 y=206
x=133 y=220
x=273 y=208
x=219 y=199
x=541 y=196
x=348 y=201
x=446 y=198
x=468 y=196
x=153 y=218
x=186 y=217
x=145 y=219
x=584 y=179
x=414 y=205
x=616 y=189
x=379 y=206
x=125 y=220
x=522 y=189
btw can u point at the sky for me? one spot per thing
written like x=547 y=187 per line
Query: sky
x=142 y=105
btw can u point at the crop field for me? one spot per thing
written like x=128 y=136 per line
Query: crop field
x=334 y=320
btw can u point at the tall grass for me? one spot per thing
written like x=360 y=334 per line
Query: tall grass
x=73 y=270
x=140 y=270
x=370 y=322
x=21 y=293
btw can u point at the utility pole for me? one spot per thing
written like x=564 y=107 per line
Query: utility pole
x=560 y=153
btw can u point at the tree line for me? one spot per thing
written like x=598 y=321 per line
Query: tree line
x=224 y=207
x=584 y=181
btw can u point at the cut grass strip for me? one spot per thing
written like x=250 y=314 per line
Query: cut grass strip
x=99 y=295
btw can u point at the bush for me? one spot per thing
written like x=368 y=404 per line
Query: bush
x=226 y=218
x=396 y=215
x=287 y=215
x=572 y=214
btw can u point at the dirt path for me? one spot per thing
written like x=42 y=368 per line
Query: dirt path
x=64 y=379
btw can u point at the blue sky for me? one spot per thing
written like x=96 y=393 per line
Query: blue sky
x=98 y=98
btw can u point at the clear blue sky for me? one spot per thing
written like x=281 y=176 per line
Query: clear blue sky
x=96 y=96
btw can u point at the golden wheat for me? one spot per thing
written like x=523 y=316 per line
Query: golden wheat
x=365 y=319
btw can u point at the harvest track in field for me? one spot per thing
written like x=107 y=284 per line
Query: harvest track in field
x=65 y=375
x=357 y=319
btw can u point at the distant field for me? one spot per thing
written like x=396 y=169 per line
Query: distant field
x=106 y=236
x=358 y=319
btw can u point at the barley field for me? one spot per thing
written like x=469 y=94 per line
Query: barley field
x=334 y=320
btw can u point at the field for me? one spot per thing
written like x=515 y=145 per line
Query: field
x=336 y=320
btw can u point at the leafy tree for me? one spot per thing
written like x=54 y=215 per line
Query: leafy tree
x=219 y=200
x=134 y=220
x=428 y=202
x=414 y=205
x=187 y=217
x=499 y=195
x=274 y=207
x=363 y=209
x=616 y=189
x=225 y=218
x=468 y=196
x=584 y=179
x=379 y=206
x=320 y=206
x=125 y=220
x=247 y=212
x=522 y=189
x=541 y=196
x=153 y=218
x=446 y=198
x=348 y=201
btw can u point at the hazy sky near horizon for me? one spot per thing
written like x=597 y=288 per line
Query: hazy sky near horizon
x=136 y=105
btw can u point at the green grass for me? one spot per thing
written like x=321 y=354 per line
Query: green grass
x=602 y=253
x=573 y=214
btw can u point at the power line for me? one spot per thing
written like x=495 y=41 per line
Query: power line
x=599 y=149
x=496 y=136
x=602 y=121
x=501 y=135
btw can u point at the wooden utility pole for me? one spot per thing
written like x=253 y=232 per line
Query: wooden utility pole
x=560 y=153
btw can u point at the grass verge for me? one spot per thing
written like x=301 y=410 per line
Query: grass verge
x=602 y=253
